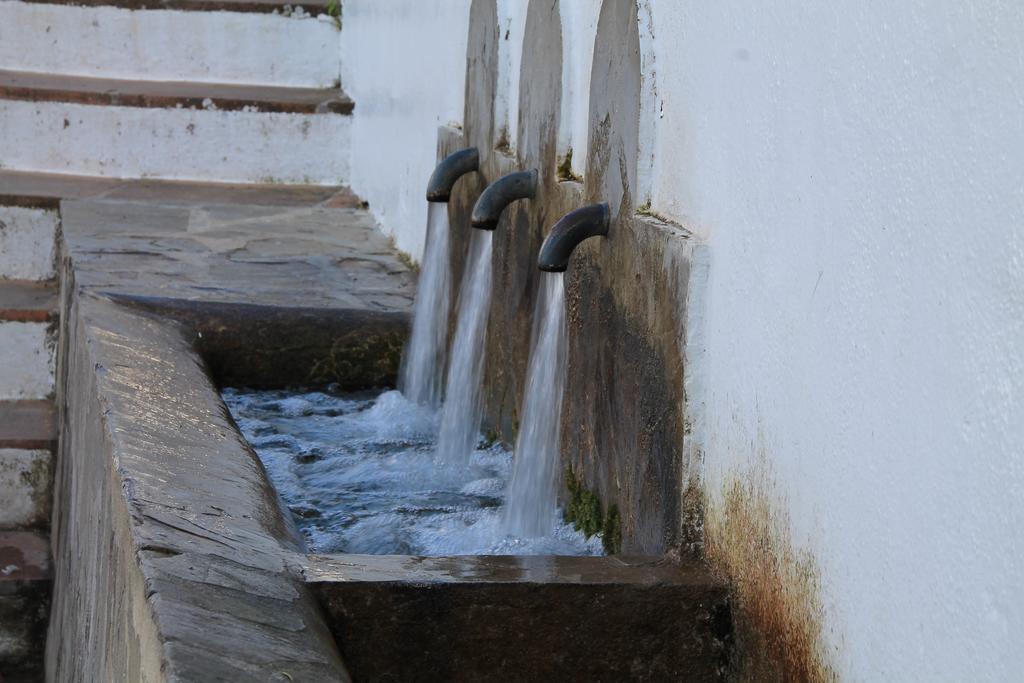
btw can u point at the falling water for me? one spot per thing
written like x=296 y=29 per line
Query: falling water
x=462 y=410
x=530 y=510
x=423 y=363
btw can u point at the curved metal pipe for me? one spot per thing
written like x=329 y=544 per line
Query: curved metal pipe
x=501 y=193
x=451 y=168
x=569 y=231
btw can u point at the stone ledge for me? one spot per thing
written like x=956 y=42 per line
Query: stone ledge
x=306 y=257
x=172 y=544
x=33 y=87
x=28 y=424
x=29 y=189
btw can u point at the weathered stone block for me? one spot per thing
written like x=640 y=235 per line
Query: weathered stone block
x=524 y=618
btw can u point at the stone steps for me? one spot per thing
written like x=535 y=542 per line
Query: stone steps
x=30 y=425
x=26 y=311
x=28 y=439
x=226 y=42
x=146 y=129
x=25 y=588
x=259 y=6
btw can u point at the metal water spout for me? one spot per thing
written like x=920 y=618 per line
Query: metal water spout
x=501 y=193
x=569 y=231
x=451 y=168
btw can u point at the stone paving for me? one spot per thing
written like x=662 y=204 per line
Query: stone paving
x=308 y=256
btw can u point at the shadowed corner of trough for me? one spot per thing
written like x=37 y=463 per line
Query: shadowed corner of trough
x=260 y=345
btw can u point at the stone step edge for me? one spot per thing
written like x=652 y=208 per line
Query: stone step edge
x=40 y=87
x=242 y=6
x=28 y=424
x=24 y=558
x=27 y=301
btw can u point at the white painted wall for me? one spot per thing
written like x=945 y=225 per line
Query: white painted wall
x=220 y=146
x=857 y=174
x=27 y=367
x=579 y=26
x=27 y=242
x=25 y=477
x=404 y=64
x=160 y=45
x=511 y=29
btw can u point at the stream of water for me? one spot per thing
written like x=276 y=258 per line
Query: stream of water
x=531 y=506
x=463 y=408
x=424 y=360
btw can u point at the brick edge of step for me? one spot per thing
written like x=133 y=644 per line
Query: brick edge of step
x=27 y=301
x=24 y=558
x=37 y=87
x=28 y=424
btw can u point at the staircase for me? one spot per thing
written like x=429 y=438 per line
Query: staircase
x=137 y=100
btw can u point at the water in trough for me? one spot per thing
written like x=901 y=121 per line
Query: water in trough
x=358 y=472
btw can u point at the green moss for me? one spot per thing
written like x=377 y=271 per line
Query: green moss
x=646 y=210
x=490 y=438
x=565 y=169
x=584 y=509
x=585 y=514
x=408 y=261
x=503 y=144
x=352 y=361
x=403 y=257
x=611 y=531
x=334 y=10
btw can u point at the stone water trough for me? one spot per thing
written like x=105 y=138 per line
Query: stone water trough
x=173 y=556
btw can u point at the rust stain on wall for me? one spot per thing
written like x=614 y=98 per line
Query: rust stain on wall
x=777 y=609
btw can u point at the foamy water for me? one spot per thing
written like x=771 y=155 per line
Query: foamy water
x=423 y=361
x=358 y=473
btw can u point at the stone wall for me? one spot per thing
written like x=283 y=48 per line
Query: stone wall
x=170 y=545
x=623 y=417
x=845 y=324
